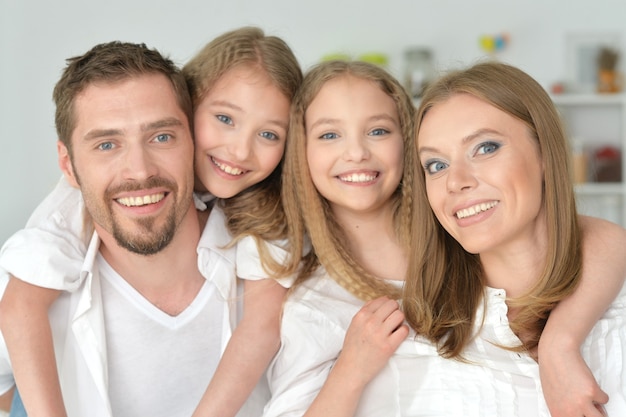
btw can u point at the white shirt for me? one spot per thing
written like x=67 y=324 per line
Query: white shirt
x=77 y=318
x=147 y=347
x=419 y=382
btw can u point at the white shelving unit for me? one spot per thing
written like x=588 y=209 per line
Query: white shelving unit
x=598 y=120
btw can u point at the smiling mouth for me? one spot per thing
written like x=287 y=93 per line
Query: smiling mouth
x=230 y=170
x=141 y=201
x=474 y=210
x=357 y=178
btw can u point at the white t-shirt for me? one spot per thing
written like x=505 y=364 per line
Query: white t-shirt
x=417 y=381
x=152 y=370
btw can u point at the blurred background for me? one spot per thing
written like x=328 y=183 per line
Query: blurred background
x=546 y=38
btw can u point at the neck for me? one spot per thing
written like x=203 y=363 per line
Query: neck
x=514 y=269
x=372 y=237
x=170 y=278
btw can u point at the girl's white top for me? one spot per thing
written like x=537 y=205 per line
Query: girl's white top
x=419 y=382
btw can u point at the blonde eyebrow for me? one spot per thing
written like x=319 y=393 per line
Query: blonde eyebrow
x=466 y=139
x=374 y=118
x=281 y=123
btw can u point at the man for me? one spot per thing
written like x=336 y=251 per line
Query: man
x=144 y=329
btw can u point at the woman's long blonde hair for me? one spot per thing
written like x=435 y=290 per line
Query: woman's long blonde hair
x=445 y=283
x=308 y=213
x=256 y=211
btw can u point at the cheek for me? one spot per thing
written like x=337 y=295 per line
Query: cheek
x=205 y=135
x=270 y=157
x=436 y=197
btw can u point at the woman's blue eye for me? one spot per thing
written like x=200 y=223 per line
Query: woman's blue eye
x=433 y=167
x=105 y=146
x=224 y=119
x=329 y=135
x=487 y=147
x=269 y=135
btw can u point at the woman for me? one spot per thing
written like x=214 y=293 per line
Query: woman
x=502 y=241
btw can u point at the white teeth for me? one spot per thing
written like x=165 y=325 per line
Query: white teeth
x=141 y=201
x=227 y=168
x=362 y=177
x=478 y=208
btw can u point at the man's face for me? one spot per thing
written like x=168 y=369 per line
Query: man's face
x=133 y=160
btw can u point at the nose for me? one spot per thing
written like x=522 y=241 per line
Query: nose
x=460 y=178
x=356 y=149
x=240 y=146
x=138 y=163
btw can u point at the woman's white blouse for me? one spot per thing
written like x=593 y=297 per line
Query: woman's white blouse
x=417 y=381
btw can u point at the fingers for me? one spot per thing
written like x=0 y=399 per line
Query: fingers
x=383 y=310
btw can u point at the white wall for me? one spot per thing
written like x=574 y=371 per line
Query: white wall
x=37 y=36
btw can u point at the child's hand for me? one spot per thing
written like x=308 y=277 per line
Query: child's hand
x=374 y=334
x=569 y=386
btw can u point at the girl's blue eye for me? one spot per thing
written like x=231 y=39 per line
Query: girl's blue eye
x=269 y=135
x=379 y=132
x=433 y=167
x=105 y=146
x=487 y=148
x=329 y=135
x=224 y=119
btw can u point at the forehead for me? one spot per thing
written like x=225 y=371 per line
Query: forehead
x=461 y=114
x=135 y=100
x=351 y=95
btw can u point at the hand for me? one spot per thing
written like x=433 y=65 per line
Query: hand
x=374 y=334
x=569 y=386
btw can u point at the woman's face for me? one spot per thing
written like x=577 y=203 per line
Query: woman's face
x=483 y=173
x=354 y=145
x=240 y=131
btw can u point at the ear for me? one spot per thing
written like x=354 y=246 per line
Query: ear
x=65 y=163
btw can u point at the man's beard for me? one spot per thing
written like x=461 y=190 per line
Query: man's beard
x=147 y=244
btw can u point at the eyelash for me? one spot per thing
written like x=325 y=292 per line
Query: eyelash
x=483 y=145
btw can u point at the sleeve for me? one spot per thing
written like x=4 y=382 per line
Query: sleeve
x=6 y=372
x=604 y=350
x=310 y=344
x=249 y=264
x=50 y=250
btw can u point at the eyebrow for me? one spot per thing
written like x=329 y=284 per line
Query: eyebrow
x=376 y=117
x=281 y=123
x=465 y=140
x=146 y=127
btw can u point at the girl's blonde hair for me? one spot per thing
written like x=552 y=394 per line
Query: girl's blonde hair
x=445 y=283
x=308 y=213
x=256 y=211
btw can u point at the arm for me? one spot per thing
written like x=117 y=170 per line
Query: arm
x=253 y=344
x=569 y=387
x=374 y=335
x=26 y=330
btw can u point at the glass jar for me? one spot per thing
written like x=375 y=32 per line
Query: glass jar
x=419 y=70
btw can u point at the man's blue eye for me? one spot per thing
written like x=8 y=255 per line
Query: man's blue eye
x=105 y=146
x=162 y=138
